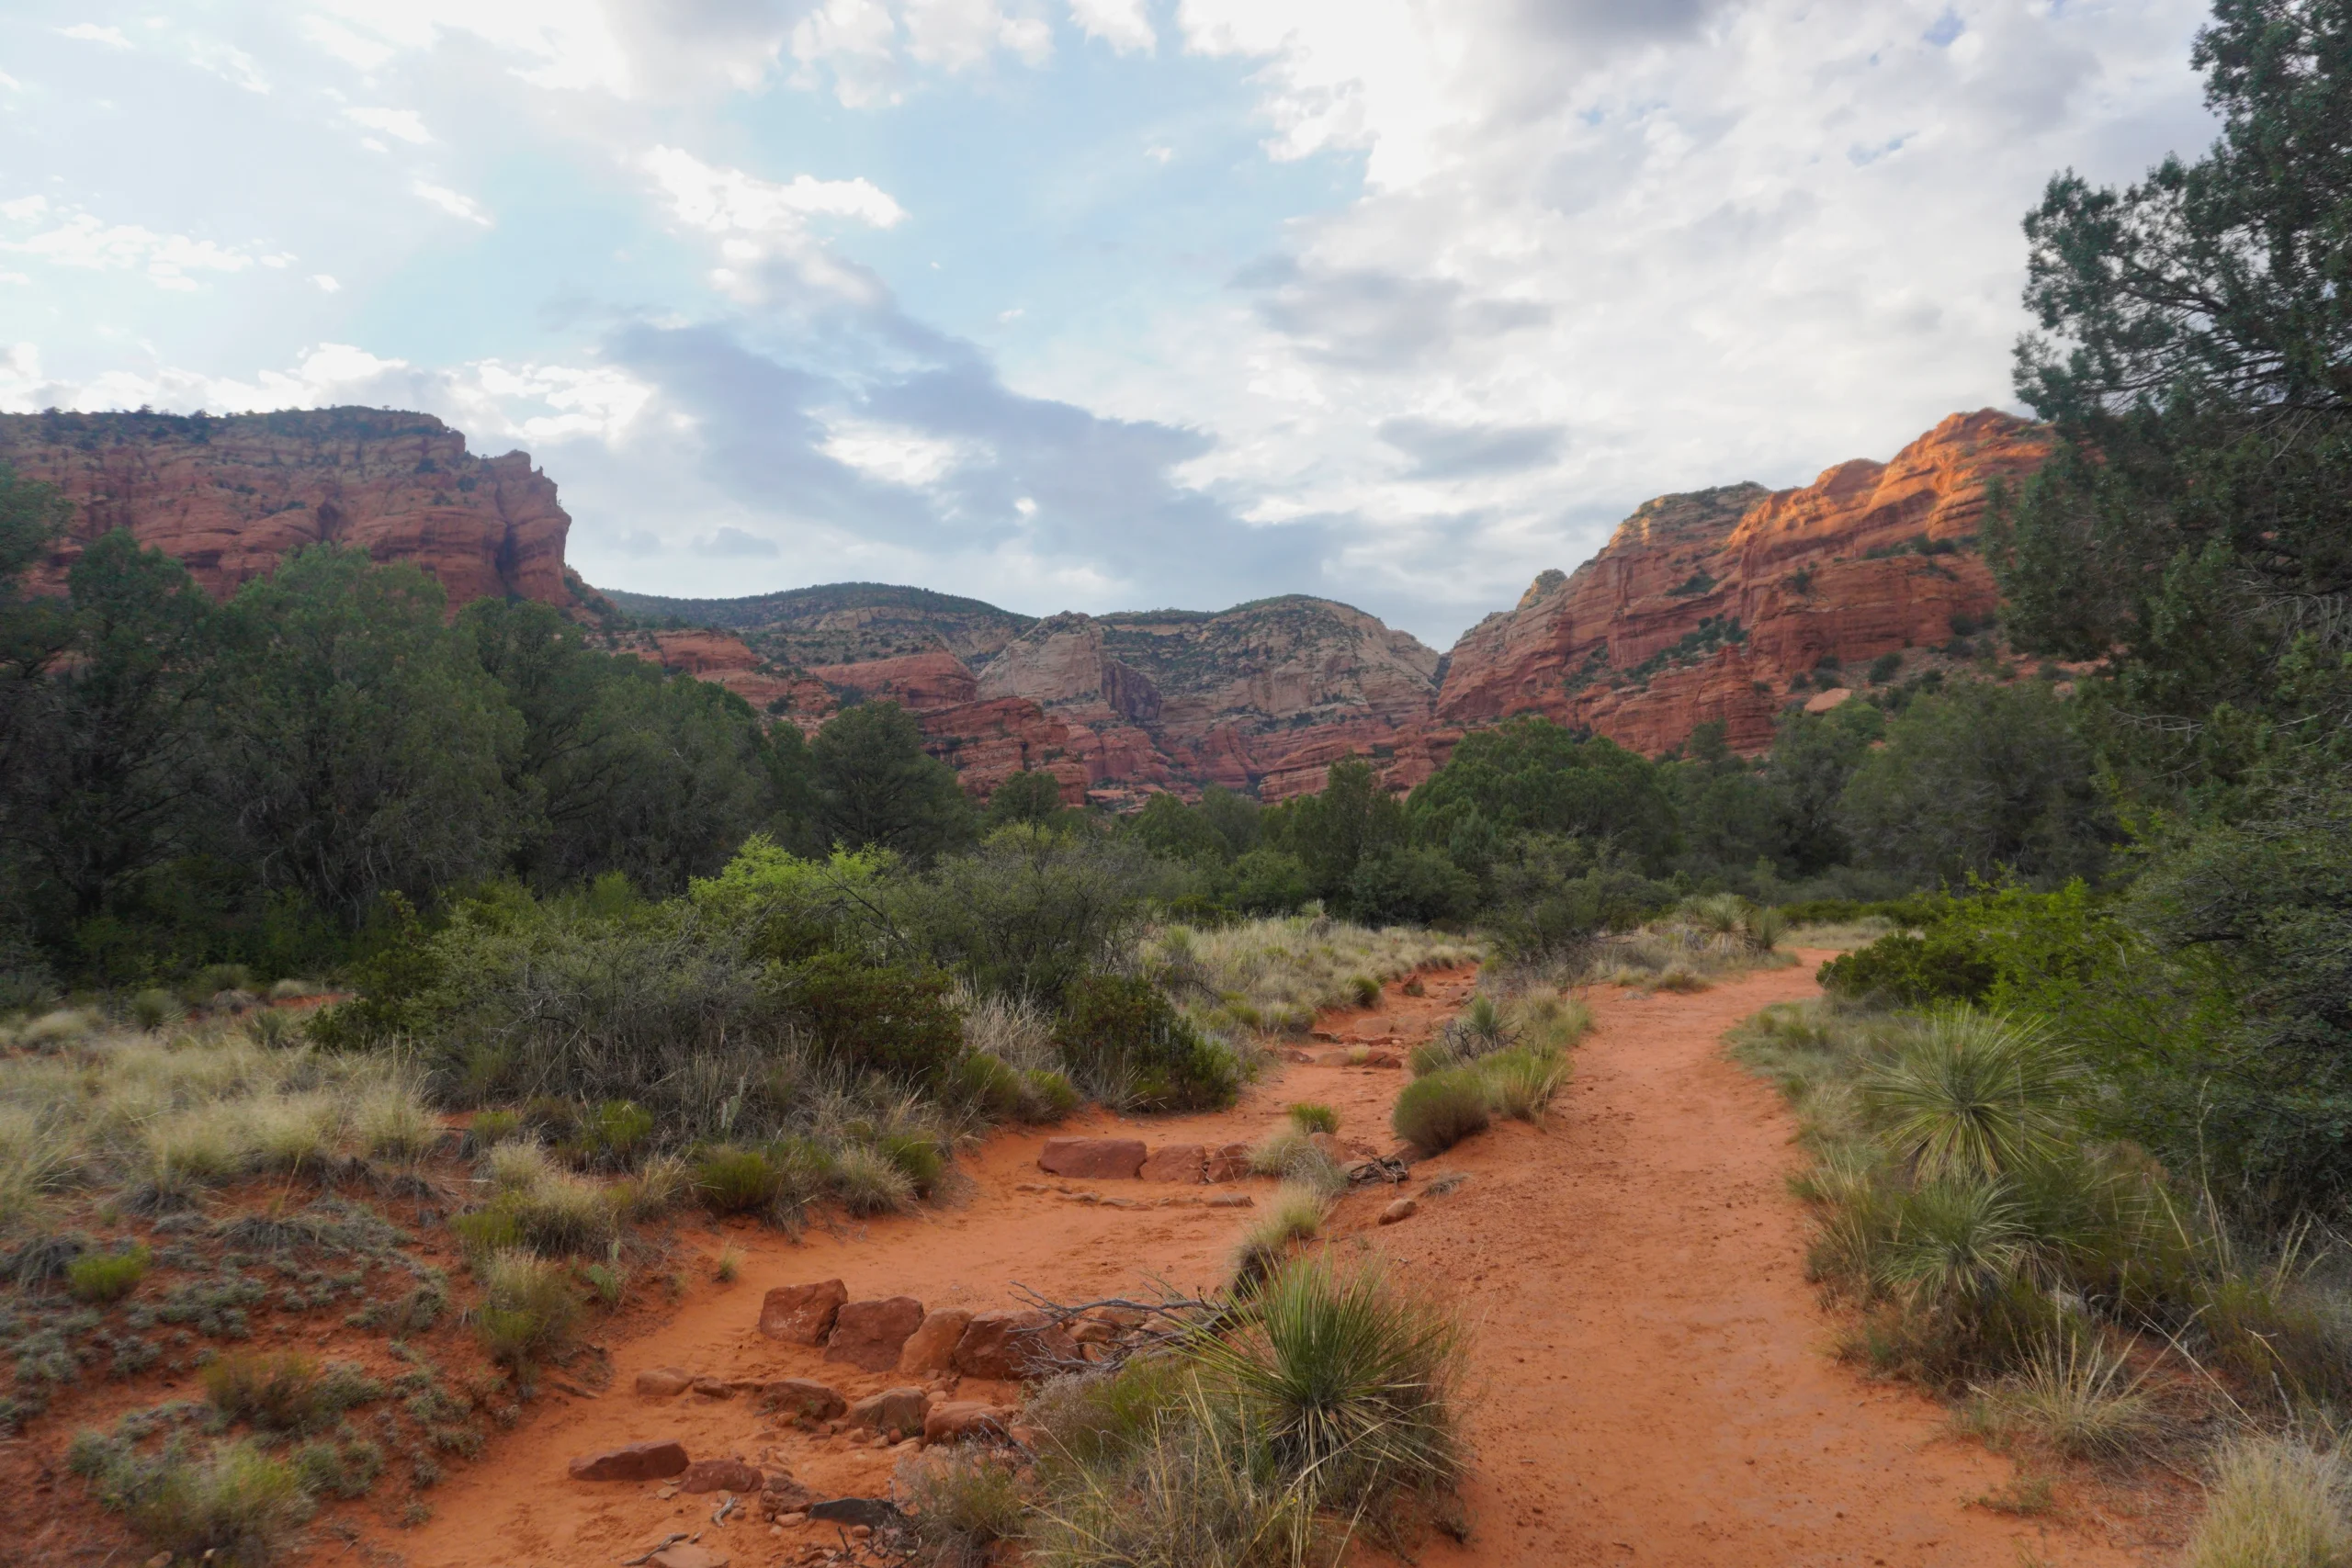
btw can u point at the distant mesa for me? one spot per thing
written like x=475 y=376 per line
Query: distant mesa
x=231 y=496
x=1714 y=606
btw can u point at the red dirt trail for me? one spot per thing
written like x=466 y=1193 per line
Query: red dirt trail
x=1650 y=1380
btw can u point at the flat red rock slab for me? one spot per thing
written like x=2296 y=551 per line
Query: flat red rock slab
x=1092 y=1159
x=637 y=1462
x=870 y=1334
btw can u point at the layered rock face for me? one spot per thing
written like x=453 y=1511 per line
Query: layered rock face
x=231 y=497
x=1712 y=605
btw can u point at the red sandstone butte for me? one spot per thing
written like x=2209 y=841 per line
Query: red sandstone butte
x=1828 y=570
x=231 y=497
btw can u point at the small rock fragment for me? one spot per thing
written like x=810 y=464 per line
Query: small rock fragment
x=1402 y=1208
x=659 y=1383
x=714 y=1388
x=686 y=1554
x=1232 y=1200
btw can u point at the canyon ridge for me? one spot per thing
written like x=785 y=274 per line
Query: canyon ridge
x=1720 y=606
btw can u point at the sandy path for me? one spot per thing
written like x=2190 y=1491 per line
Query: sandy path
x=1649 y=1358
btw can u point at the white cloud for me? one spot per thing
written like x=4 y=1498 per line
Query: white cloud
x=351 y=48
x=327 y=282
x=230 y=64
x=1119 y=23
x=90 y=32
x=761 y=225
x=893 y=453
x=449 y=201
x=405 y=124
x=84 y=241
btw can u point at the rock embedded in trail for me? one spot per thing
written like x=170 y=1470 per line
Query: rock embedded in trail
x=720 y=1475
x=870 y=1334
x=802 y=1313
x=932 y=1347
x=957 y=1420
x=895 y=1412
x=637 y=1462
x=659 y=1383
x=686 y=1554
x=1010 y=1344
x=802 y=1396
x=1093 y=1158
x=1403 y=1209
x=1176 y=1162
x=1228 y=1162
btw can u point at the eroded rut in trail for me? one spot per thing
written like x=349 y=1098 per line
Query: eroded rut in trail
x=1649 y=1371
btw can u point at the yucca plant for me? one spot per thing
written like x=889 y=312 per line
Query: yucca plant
x=1953 y=1243
x=1348 y=1380
x=1973 y=1095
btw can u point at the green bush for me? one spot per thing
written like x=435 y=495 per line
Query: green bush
x=1123 y=1037
x=155 y=1007
x=235 y=1508
x=878 y=1018
x=108 y=1276
x=344 y=1469
x=286 y=1392
x=613 y=1130
x=1046 y=1095
x=1311 y=1116
x=735 y=1180
x=1438 y=1111
x=867 y=1181
x=918 y=1157
x=527 y=1307
x=1943 y=966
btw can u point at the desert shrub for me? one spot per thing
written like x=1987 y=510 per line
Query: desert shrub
x=1090 y=1417
x=564 y=1213
x=1124 y=1039
x=1348 y=1379
x=1046 y=1095
x=1034 y=908
x=1944 y=965
x=2077 y=1396
x=1522 y=1081
x=877 y=1018
x=1310 y=1116
x=394 y=1123
x=985 y=1085
x=527 y=1308
x=341 y=1469
x=732 y=1180
x=1292 y=1154
x=108 y=1276
x=916 y=1155
x=965 y=1499
x=1279 y=973
x=1195 y=1493
x=867 y=1181
x=658 y=1186
x=612 y=1132
x=1438 y=1111
x=155 y=1007
x=2273 y=1503
x=491 y=1128
x=235 y=1505
x=286 y=1392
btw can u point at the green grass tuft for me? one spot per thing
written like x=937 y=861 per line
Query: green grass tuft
x=1436 y=1112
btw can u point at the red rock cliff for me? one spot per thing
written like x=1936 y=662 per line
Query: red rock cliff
x=231 y=496
x=1709 y=605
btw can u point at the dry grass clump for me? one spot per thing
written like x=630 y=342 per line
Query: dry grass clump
x=164 y=1118
x=234 y=1505
x=1277 y=973
x=1296 y=1215
x=2275 y=1503
x=1291 y=1153
x=1842 y=935
x=2079 y=1398
x=1704 y=939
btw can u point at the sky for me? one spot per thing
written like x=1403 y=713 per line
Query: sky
x=1068 y=304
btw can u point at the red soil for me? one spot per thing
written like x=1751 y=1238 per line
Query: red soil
x=1651 y=1382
